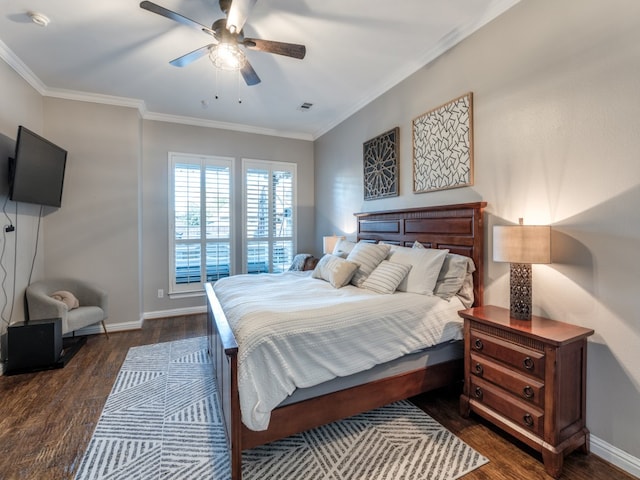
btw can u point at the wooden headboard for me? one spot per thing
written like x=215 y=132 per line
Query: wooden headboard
x=458 y=228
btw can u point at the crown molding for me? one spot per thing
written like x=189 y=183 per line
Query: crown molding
x=201 y=122
x=397 y=76
x=27 y=74
x=21 y=69
x=97 y=98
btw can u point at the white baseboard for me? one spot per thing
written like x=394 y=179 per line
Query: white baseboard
x=120 y=327
x=615 y=456
x=111 y=327
x=176 y=312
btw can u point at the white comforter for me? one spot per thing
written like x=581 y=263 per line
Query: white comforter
x=294 y=331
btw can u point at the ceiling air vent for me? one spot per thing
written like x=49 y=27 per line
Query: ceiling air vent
x=305 y=107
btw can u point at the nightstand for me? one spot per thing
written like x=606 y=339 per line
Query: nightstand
x=529 y=379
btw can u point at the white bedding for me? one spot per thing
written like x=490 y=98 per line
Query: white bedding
x=294 y=331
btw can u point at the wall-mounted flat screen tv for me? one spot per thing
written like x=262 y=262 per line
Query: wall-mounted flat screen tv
x=37 y=171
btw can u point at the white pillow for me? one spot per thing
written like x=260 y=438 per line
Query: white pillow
x=386 y=277
x=343 y=247
x=368 y=256
x=335 y=270
x=465 y=294
x=426 y=264
x=452 y=275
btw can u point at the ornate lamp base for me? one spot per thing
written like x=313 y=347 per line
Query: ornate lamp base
x=520 y=291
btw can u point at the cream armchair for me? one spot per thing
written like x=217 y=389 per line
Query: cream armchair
x=92 y=303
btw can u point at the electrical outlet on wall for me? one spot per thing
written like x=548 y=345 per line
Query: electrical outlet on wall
x=160 y=293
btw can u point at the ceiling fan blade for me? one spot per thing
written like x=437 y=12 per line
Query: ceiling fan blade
x=152 y=7
x=287 y=49
x=238 y=14
x=185 y=60
x=249 y=74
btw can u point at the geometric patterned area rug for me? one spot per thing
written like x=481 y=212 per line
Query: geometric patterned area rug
x=162 y=421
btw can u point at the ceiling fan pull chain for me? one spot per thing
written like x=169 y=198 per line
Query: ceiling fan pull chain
x=238 y=86
x=216 y=85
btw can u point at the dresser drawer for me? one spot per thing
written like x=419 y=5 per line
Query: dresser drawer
x=522 y=386
x=526 y=415
x=524 y=359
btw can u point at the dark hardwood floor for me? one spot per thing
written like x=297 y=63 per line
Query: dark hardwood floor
x=509 y=459
x=47 y=418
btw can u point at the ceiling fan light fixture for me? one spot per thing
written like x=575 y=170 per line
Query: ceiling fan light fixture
x=227 y=56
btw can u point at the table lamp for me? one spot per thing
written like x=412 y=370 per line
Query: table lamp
x=329 y=243
x=521 y=245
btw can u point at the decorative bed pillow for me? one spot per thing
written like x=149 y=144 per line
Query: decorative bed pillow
x=67 y=298
x=425 y=267
x=368 y=256
x=335 y=270
x=452 y=275
x=343 y=248
x=386 y=277
x=297 y=265
x=466 y=291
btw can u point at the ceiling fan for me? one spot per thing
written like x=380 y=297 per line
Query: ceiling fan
x=228 y=35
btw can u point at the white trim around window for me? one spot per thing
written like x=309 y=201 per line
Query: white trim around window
x=201 y=221
x=269 y=215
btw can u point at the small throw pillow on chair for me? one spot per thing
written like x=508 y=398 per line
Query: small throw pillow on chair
x=67 y=298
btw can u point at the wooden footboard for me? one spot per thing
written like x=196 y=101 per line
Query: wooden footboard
x=314 y=412
x=223 y=350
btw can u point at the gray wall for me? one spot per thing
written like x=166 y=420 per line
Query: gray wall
x=160 y=138
x=19 y=105
x=557 y=116
x=94 y=235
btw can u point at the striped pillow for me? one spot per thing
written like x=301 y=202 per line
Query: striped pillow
x=368 y=256
x=386 y=277
x=335 y=270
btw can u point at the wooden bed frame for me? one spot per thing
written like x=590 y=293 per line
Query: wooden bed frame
x=458 y=228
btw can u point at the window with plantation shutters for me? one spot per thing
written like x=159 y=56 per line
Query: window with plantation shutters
x=200 y=220
x=269 y=216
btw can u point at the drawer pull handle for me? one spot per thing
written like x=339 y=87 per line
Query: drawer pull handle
x=478 y=392
x=528 y=391
x=478 y=344
x=528 y=363
x=528 y=420
x=479 y=369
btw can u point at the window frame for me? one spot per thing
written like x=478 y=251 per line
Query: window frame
x=201 y=160
x=271 y=166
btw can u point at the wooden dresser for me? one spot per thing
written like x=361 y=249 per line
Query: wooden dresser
x=528 y=378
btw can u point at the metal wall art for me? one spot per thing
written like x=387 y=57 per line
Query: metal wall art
x=443 y=146
x=380 y=158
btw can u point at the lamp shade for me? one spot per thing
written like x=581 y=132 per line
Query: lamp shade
x=522 y=244
x=329 y=243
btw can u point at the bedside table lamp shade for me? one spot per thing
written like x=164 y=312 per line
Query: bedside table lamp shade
x=329 y=243
x=521 y=245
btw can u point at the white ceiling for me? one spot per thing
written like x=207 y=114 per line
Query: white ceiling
x=112 y=51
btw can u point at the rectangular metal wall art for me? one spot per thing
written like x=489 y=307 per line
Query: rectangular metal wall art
x=443 y=146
